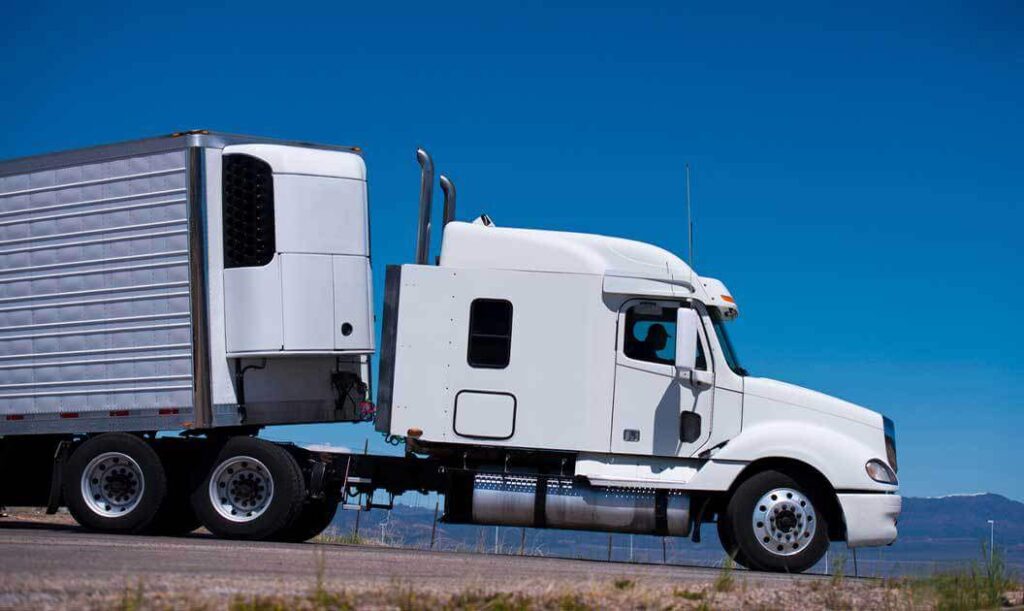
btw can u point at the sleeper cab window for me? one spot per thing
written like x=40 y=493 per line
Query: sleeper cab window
x=490 y=333
x=651 y=335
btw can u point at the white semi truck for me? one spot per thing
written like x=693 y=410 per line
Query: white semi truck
x=210 y=285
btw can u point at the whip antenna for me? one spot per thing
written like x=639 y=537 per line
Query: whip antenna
x=689 y=219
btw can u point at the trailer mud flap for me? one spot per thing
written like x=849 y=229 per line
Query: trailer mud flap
x=60 y=457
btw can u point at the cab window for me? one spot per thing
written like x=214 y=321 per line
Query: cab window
x=651 y=335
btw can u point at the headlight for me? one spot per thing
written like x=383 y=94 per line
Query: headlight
x=880 y=472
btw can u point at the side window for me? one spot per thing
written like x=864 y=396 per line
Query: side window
x=651 y=335
x=490 y=333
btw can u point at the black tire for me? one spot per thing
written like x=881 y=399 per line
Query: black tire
x=126 y=494
x=789 y=521
x=255 y=463
x=728 y=540
x=315 y=516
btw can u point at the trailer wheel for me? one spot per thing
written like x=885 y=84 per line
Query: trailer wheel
x=254 y=491
x=114 y=483
x=315 y=516
x=775 y=524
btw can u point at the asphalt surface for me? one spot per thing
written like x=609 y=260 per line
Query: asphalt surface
x=45 y=565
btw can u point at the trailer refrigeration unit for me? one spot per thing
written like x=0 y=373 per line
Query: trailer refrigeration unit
x=212 y=285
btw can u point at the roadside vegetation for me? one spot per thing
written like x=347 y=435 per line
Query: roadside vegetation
x=986 y=584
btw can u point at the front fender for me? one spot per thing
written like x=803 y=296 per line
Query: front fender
x=839 y=455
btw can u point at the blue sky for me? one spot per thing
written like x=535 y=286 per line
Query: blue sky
x=857 y=169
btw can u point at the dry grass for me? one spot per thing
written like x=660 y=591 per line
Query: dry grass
x=983 y=586
x=620 y=593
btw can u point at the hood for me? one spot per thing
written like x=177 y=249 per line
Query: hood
x=810 y=399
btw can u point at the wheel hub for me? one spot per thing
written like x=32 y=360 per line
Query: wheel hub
x=241 y=489
x=784 y=521
x=112 y=484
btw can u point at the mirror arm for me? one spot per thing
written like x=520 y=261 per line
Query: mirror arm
x=695 y=377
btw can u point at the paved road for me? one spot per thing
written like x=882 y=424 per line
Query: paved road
x=49 y=565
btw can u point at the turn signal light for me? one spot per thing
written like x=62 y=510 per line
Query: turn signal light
x=880 y=472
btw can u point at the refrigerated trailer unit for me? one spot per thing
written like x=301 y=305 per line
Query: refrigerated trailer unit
x=212 y=285
x=195 y=281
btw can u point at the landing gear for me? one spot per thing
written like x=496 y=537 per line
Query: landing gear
x=772 y=523
x=114 y=483
x=255 y=490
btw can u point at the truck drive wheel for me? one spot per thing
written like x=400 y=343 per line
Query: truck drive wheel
x=773 y=523
x=253 y=491
x=114 y=483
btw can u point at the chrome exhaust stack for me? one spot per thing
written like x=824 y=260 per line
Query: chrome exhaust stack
x=449 y=199
x=426 y=195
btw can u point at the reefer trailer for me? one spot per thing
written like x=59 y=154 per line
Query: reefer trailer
x=211 y=285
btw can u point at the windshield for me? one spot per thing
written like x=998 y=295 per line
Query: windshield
x=723 y=340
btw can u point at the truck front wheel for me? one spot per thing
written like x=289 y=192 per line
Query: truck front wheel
x=254 y=491
x=773 y=523
x=114 y=483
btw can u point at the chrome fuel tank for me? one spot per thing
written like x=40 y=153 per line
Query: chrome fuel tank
x=521 y=500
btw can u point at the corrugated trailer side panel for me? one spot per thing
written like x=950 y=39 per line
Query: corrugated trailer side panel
x=94 y=292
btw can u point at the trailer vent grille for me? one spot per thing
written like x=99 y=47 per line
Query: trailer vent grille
x=248 y=211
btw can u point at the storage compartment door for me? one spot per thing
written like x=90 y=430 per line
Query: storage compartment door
x=485 y=415
x=307 y=287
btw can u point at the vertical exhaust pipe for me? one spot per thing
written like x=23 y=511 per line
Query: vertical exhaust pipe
x=426 y=194
x=449 y=199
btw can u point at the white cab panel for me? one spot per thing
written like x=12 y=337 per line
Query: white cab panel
x=485 y=415
x=307 y=291
x=353 y=304
x=560 y=370
x=318 y=214
x=252 y=304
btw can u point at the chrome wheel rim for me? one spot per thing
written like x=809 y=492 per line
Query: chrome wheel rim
x=112 y=484
x=241 y=489
x=784 y=521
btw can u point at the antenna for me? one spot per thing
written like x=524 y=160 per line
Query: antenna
x=689 y=218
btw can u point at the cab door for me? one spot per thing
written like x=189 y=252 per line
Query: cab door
x=655 y=412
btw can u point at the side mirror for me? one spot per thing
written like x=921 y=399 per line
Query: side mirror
x=686 y=339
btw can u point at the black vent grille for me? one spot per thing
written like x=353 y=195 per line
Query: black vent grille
x=248 y=211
